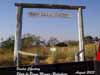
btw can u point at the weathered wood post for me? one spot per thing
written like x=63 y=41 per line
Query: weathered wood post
x=18 y=34
x=81 y=35
x=36 y=59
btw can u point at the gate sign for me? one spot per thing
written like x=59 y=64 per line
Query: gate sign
x=49 y=14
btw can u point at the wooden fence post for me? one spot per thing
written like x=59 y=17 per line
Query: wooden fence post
x=17 y=46
x=81 y=35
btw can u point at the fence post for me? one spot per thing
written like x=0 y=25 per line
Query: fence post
x=81 y=35
x=36 y=59
x=17 y=45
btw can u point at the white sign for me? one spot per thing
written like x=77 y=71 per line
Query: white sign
x=53 y=49
x=49 y=14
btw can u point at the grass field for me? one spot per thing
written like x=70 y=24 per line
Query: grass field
x=61 y=55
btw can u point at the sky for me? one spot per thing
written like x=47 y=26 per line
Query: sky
x=61 y=28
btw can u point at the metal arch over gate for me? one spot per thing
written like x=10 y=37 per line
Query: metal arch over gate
x=20 y=7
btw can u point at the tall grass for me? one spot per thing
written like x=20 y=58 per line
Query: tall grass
x=61 y=55
x=6 y=57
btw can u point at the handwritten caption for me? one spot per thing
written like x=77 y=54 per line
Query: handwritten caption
x=30 y=71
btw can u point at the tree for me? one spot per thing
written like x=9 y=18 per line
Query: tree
x=52 y=41
x=88 y=39
x=30 y=40
x=96 y=38
x=27 y=41
x=61 y=44
x=9 y=43
x=1 y=40
x=72 y=43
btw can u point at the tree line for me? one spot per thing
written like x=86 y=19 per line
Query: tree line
x=29 y=40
